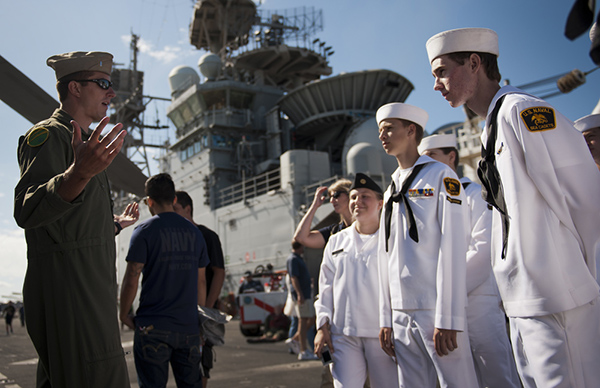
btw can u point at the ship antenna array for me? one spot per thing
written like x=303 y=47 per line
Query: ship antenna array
x=295 y=24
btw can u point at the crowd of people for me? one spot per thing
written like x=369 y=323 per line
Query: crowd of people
x=417 y=281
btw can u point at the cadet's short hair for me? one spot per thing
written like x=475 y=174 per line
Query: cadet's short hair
x=160 y=188
x=62 y=85
x=419 y=129
x=488 y=61
x=447 y=150
x=184 y=199
x=296 y=245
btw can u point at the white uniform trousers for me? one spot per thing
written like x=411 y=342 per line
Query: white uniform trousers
x=418 y=363
x=492 y=352
x=559 y=350
x=354 y=357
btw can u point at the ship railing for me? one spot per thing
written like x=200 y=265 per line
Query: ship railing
x=250 y=188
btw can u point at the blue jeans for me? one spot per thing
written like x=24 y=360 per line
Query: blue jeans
x=154 y=349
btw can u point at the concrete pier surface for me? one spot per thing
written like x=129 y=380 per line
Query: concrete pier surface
x=238 y=363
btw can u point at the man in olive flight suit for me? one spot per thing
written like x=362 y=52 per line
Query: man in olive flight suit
x=63 y=202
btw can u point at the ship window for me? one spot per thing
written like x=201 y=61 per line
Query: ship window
x=219 y=141
x=214 y=99
x=198 y=146
x=241 y=100
x=175 y=116
x=183 y=155
x=190 y=151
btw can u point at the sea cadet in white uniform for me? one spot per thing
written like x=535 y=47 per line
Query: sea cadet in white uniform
x=422 y=246
x=589 y=126
x=494 y=362
x=347 y=314
x=540 y=177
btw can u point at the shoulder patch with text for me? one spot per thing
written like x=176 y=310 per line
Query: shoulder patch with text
x=539 y=118
x=37 y=137
x=452 y=186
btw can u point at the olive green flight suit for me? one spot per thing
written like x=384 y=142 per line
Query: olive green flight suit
x=70 y=288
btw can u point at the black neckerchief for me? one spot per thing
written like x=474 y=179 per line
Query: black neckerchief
x=401 y=197
x=491 y=189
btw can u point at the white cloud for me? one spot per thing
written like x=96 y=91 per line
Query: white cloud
x=166 y=54
x=13 y=262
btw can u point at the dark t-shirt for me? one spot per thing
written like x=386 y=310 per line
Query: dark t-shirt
x=215 y=254
x=297 y=267
x=327 y=231
x=171 y=249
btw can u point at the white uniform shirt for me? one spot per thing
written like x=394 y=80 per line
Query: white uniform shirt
x=348 y=284
x=480 y=278
x=551 y=187
x=430 y=274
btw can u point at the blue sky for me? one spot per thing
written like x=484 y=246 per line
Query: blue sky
x=373 y=34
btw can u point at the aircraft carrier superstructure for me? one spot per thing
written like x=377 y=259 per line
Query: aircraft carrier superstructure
x=259 y=128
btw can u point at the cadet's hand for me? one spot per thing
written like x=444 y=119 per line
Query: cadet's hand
x=322 y=338
x=94 y=156
x=320 y=196
x=386 y=340
x=130 y=215
x=445 y=341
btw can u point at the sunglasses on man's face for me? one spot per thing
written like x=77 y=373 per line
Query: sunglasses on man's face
x=103 y=83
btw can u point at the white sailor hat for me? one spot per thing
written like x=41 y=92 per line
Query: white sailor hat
x=69 y=63
x=588 y=122
x=437 y=141
x=481 y=40
x=399 y=110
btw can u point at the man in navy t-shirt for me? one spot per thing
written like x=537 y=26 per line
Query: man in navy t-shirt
x=172 y=255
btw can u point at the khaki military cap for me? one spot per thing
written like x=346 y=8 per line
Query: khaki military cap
x=69 y=63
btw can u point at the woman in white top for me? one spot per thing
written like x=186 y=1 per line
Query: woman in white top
x=347 y=308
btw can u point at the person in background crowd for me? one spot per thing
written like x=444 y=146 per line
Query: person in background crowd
x=302 y=294
x=338 y=194
x=9 y=314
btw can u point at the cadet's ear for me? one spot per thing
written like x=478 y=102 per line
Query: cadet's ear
x=474 y=62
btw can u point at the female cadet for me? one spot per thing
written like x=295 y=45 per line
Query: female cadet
x=347 y=309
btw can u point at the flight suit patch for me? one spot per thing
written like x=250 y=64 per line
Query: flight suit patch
x=539 y=118
x=452 y=186
x=421 y=193
x=37 y=137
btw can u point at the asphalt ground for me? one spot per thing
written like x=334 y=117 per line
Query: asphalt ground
x=238 y=363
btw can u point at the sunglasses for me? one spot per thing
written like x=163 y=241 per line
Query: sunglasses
x=336 y=194
x=103 y=83
x=144 y=201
